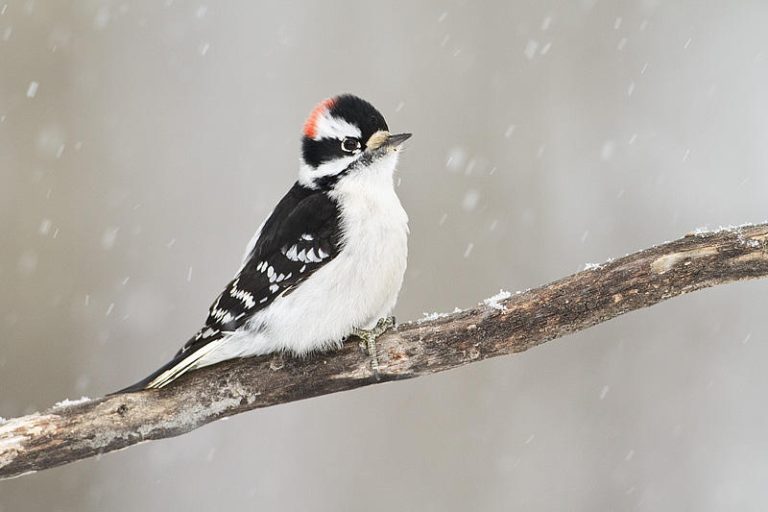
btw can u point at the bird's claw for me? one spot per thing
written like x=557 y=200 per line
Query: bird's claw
x=368 y=339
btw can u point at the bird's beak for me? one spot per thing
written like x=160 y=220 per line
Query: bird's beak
x=397 y=139
x=385 y=140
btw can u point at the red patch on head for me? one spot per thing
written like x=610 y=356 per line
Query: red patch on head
x=310 y=125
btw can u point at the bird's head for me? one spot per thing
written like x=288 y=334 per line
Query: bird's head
x=345 y=136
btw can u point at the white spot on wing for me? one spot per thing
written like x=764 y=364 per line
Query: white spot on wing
x=209 y=332
x=221 y=315
x=242 y=295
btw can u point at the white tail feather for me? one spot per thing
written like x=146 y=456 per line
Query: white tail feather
x=185 y=365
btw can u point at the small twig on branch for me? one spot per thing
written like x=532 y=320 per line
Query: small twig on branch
x=506 y=325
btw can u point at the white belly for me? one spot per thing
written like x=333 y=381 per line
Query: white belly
x=354 y=290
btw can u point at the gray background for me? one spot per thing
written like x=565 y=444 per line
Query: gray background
x=547 y=135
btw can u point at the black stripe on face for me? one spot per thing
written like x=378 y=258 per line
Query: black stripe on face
x=316 y=152
x=329 y=181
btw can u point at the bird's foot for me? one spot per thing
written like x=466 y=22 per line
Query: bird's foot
x=368 y=339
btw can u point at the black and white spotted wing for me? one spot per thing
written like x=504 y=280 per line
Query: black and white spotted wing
x=300 y=236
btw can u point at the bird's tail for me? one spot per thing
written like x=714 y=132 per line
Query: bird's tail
x=175 y=368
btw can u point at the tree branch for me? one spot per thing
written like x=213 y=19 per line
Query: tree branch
x=66 y=433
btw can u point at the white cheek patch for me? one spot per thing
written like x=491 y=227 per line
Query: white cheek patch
x=307 y=173
x=329 y=127
x=333 y=166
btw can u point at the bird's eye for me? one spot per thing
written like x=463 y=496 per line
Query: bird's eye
x=350 y=144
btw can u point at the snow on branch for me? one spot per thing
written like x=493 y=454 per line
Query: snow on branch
x=504 y=324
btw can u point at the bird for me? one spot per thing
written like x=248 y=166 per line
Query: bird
x=327 y=263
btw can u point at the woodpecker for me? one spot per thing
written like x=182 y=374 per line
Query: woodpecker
x=327 y=263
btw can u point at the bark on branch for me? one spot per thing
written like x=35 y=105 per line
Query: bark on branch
x=65 y=434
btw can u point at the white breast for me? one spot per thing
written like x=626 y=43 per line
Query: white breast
x=355 y=289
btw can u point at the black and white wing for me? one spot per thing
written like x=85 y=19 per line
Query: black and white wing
x=289 y=249
x=300 y=236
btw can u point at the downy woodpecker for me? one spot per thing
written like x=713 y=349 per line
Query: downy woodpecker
x=327 y=263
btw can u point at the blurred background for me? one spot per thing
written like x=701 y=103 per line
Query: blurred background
x=141 y=144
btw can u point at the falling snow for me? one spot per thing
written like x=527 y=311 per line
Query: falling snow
x=606 y=152
x=471 y=198
x=456 y=159
x=586 y=95
x=49 y=142
x=530 y=49
x=32 y=89
x=108 y=238
x=45 y=226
